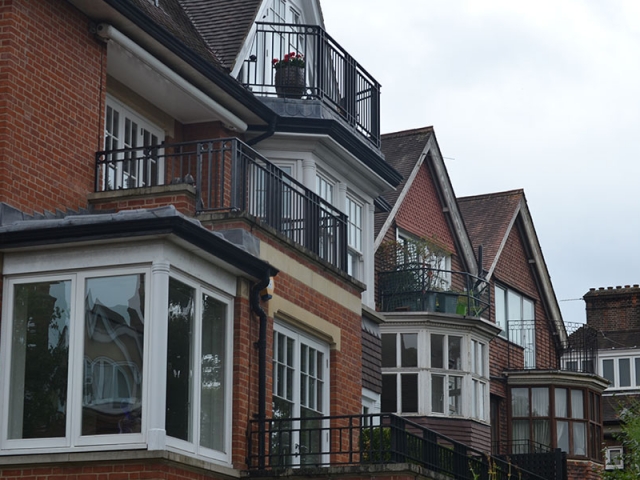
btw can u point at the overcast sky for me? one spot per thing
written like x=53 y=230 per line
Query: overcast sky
x=543 y=96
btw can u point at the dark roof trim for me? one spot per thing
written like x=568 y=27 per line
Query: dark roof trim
x=345 y=137
x=209 y=242
x=214 y=73
x=382 y=205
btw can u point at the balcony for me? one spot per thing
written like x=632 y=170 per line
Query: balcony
x=331 y=83
x=226 y=175
x=365 y=440
x=415 y=287
x=578 y=352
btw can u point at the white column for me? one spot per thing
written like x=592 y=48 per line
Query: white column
x=341 y=197
x=309 y=174
x=156 y=370
x=368 y=296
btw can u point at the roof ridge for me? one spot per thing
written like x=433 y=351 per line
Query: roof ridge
x=406 y=133
x=518 y=191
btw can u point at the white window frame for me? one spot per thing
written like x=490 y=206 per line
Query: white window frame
x=614 y=458
x=115 y=173
x=471 y=407
x=444 y=267
x=299 y=338
x=355 y=227
x=194 y=446
x=76 y=380
x=522 y=334
x=634 y=369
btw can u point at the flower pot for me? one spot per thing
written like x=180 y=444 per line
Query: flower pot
x=290 y=82
x=447 y=302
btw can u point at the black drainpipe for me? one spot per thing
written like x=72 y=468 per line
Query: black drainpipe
x=270 y=131
x=262 y=365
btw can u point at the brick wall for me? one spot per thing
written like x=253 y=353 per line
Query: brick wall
x=613 y=309
x=53 y=77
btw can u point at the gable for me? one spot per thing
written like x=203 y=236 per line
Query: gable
x=513 y=268
x=421 y=212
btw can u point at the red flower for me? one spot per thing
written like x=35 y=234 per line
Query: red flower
x=274 y=61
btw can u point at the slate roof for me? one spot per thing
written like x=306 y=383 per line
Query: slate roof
x=487 y=218
x=619 y=339
x=222 y=24
x=402 y=151
x=170 y=15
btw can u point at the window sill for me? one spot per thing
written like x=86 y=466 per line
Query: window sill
x=43 y=459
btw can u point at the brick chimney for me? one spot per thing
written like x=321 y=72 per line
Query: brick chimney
x=613 y=309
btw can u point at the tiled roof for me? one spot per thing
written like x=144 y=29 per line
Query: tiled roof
x=170 y=15
x=487 y=218
x=402 y=151
x=223 y=24
x=620 y=339
x=612 y=404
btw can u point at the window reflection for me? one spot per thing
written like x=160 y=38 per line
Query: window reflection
x=113 y=352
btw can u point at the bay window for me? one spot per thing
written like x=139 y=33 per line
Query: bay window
x=81 y=372
x=426 y=372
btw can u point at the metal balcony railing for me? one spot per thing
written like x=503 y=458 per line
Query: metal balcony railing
x=330 y=74
x=374 y=439
x=578 y=353
x=418 y=288
x=228 y=175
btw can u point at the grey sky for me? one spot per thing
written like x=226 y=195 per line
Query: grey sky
x=541 y=95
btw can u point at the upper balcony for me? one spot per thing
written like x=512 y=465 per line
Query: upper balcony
x=226 y=175
x=416 y=287
x=325 y=81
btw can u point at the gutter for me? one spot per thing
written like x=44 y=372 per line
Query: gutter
x=108 y=32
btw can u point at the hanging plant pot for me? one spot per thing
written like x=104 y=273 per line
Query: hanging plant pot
x=290 y=82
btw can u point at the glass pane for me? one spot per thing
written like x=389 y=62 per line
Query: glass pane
x=437 y=351
x=213 y=367
x=625 y=372
x=180 y=360
x=577 y=404
x=113 y=346
x=520 y=435
x=409 y=349
x=540 y=402
x=39 y=360
x=562 y=429
x=409 y=393
x=501 y=310
x=541 y=432
x=520 y=402
x=455 y=395
x=389 y=358
x=455 y=359
x=437 y=393
x=637 y=365
x=389 y=396
x=607 y=370
x=579 y=438
x=561 y=402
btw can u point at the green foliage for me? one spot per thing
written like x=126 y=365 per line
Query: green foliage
x=629 y=438
x=375 y=444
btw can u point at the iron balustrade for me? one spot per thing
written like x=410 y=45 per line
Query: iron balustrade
x=330 y=74
x=228 y=175
x=371 y=439
x=578 y=352
x=535 y=457
x=418 y=288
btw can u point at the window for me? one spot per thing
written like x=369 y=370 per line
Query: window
x=515 y=314
x=137 y=167
x=198 y=369
x=300 y=390
x=556 y=417
x=622 y=371
x=78 y=370
x=96 y=317
x=614 y=457
x=426 y=373
x=354 y=238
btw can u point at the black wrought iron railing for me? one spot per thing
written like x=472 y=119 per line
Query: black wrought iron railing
x=535 y=457
x=228 y=175
x=577 y=352
x=418 y=288
x=329 y=74
x=374 y=439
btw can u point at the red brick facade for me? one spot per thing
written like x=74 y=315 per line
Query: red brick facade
x=53 y=78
